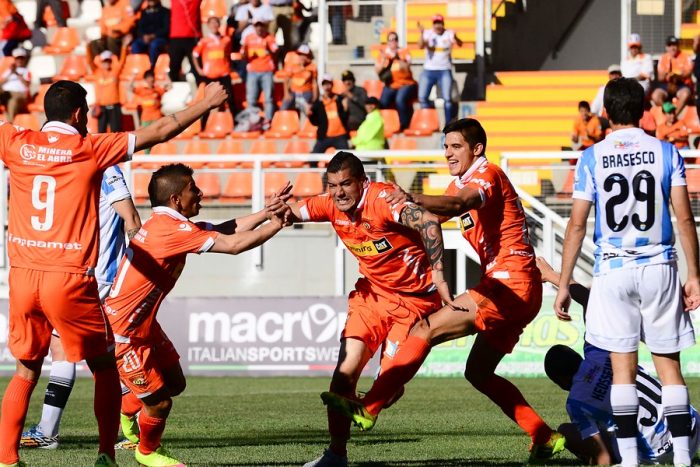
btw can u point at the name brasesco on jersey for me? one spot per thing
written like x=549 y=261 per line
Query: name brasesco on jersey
x=629 y=176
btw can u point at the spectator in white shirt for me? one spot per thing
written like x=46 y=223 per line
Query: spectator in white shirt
x=15 y=85
x=638 y=65
x=614 y=72
x=437 y=68
x=246 y=13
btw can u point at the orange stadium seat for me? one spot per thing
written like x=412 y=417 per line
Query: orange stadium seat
x=73 y=69
x=392 y=125
x=295 y=146
x=164 y=149
x=162 y=67
x=374 y=87
x=272 y=182
x=219 y=125
x=210 y=184
x=38 y=104
x=209 y=8
x=262 y=146
x=135 y=66
x=403 y=143
x=141 y=181
x=307 y=184
x=227 y=147
x=238 y=189
x=197 y=148
x=285 y=123
x=245 y=134
x=27 y=121
x=191 y=131
x=424 y=123
x=63 y=42
x=308 y=130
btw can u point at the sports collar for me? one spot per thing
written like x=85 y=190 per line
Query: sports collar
x=477 y=164
x=59 y=127
x=170 y=212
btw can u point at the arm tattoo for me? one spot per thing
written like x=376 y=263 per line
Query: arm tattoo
x=179 y=125
x=131 y=233
x=430 y=231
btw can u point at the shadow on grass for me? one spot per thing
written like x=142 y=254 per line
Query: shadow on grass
x=452 y=462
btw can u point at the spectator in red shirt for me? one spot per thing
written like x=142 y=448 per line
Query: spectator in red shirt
x=185 y=31
x=259 y=50
x=212 y=60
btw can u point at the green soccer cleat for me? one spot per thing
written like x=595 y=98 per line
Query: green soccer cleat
x=539 y=453
x=130 y=427
x=16 y=464
x=158 y=458
x=351 y=409
x=103 y=460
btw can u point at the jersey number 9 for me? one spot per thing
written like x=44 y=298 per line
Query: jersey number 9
x=643 y=190
x=44 y=203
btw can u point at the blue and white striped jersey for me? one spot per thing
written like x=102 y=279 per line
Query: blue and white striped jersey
x=112 y=237
x=588 y=406
x=628 y=176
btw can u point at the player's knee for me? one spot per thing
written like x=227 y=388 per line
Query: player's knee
x=158 y=409
x=475 y=377
x=29 y=369
x=421 y=329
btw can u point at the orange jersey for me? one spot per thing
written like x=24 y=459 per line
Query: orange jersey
x=588 y=132
x=391 y=256
x=215 y=52
x=681 y=65
x=258 y=51
x=149 y=100
x=116 y=20
x=677 y=134
x=497 y=230
x=107 y=86
x=301 y=77
x=399 y=77
x=55 y=179
x=148 y=272
x=335 y=125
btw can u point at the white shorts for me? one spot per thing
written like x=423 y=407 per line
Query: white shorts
x=639 y=304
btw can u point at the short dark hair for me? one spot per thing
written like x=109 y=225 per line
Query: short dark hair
x=623 y=100
x=148 y=74
x=561 y=364
x=62 y=99
x=585 y=105
x=169 y=180
x=346 y=160
x=470 y=129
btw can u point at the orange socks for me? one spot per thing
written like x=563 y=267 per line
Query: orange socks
x=108 y=396
x=14 y=410
x=151 y=429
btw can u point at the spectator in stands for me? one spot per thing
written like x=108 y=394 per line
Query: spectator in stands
x=185 y=31
x=282 y=12
x=437 y=68
x=354 y=100
x=115 y=24
x=245 y=15
x=259 y=50
x=57 y=10
x=14 y=28
x=149 y=98
x=301 y=22
x=614 y=72
x=673 y=130
x=301 y=78
x=152 y=31
x=587 y=128
x=15 y=85
x=674 y=74
x=329 y=115
x=212 y=62
x=108 y=109
x=400 y=89
x=370 y=135
x=338 y=15
x=638 y=65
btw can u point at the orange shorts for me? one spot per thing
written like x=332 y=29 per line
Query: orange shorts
x=377 y=317
x=505 y=308
x=41 y=301
x=141 y=366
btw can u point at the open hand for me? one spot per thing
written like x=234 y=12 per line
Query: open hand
x=398 y=196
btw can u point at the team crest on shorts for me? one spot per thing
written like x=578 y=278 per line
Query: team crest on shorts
x=139 y=380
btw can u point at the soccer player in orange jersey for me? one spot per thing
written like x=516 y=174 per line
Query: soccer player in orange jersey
x=497 y=310
x=148 y=363
x=53 y=235
x=400 y=253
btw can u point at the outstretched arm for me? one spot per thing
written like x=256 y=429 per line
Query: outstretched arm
x=578 y=292
x=127 y=211
x=252 y=221
x=243 y=241
x=444 y=206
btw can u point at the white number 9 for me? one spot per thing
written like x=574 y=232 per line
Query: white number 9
x=45 y=204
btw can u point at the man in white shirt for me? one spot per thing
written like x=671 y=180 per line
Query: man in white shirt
x=437 y=68
x=15 y=85
x=638 y=65
x=614 y=72
x=245 y=14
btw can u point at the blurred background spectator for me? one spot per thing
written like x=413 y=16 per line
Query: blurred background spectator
x=152 y=31
x=370 y=135
x=15 y=85
x=587 y=128
x=637 y=65
x=259 y=48
x=149 y=96
x=393 y=67
x=185 y=31
x=301 y=80
x=354 y=99
x=14 y=28
x=244 y=19
x=301 y=22
x=108 y=109
x=674 y=74
x=673 y=129
x=282 y=12
x=330 y=118
x=115 y=24
x=614 y=72
x=437 y=69
x=57 y=8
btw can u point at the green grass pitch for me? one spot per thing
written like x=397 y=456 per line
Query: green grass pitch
x=281 y=422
